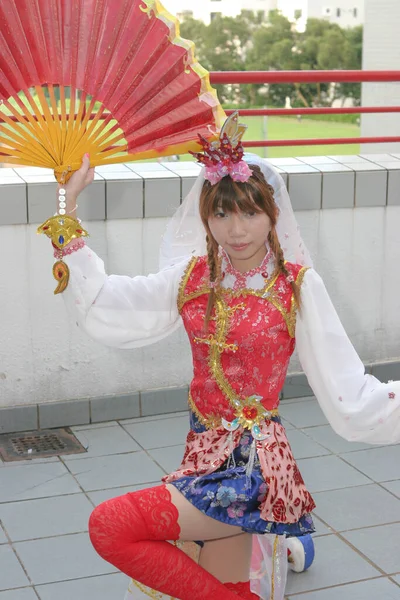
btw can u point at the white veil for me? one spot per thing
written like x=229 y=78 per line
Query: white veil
x=185 y=234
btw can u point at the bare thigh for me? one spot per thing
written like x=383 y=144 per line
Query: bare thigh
x=228 y=559
x=194 y=525
x=227 y=550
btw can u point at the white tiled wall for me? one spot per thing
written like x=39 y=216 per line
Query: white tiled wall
x=154 y=190
x=354 y=240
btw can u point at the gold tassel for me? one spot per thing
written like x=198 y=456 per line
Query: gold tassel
x=61 y=274
x=61 y=229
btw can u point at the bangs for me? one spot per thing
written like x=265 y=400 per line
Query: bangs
x=231 y=196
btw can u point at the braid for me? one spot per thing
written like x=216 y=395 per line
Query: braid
x=213 y=265
x=278 y=252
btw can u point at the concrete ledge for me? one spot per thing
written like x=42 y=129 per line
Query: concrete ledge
x=113 y=408
x=163 y=401
x=60 y=414
x=19 y=418
x=140 y=404
x=153 y=190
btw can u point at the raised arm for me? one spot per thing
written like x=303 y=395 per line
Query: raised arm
x=357 y=405
x=118 y=311
x=121 y=311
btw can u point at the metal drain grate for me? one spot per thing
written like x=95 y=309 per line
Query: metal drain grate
x=39 y=444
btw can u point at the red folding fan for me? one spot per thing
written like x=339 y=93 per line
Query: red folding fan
x=108 y=77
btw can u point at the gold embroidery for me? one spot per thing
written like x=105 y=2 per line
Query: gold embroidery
x=217 y=343
x=214 y=421
x=212 y=342
x=211 y=421
x=262 y=293
x=223 y=314
x=245 y=410
x=149 y=592
x=244 y=407
x=185 y=278
x=273 y=299
x=274 y=557
x=205 y=289
x=292 y=316
x=199 y=292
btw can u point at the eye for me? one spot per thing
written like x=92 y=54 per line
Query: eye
x=251 y=213
x=219 y=214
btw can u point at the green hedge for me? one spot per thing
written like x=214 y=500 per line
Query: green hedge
x=346 y=118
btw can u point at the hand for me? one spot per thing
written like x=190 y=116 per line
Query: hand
x=77 y=183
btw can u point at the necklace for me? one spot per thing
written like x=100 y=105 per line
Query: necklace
x=240 y=278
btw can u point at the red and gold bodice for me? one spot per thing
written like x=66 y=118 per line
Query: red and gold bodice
x=240 y=364
x=241 y=360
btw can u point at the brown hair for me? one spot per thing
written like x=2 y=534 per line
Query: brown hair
x=254 y=195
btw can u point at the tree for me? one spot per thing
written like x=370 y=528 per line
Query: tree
x=272 y=49
x=353 y=60
x=325 y=46
x=220 y=47
x=252 y=43
x=195 y=30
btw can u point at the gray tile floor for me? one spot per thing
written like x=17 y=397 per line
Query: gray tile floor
x=45 y=551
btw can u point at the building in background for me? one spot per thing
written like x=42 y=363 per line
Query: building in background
x=207 y=10
x=345 y=13
x=381 y=51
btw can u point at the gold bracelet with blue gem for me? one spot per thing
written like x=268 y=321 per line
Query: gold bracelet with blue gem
x=62 y=229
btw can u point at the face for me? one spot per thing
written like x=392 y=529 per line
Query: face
x=242 y=236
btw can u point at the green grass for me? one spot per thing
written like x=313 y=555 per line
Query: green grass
x=279 y=128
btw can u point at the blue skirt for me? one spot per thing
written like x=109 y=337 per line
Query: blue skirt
x=230 y=496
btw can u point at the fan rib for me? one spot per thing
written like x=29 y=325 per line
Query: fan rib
x=109 y=77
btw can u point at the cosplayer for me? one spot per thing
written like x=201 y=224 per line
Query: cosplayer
x=234 y=269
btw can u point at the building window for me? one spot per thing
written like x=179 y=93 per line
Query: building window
x=326 y=11
x=355 y=13
x=214 y=15
x=338 y=12
x=185 y=14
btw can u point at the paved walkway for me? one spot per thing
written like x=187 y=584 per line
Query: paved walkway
x=45 y=552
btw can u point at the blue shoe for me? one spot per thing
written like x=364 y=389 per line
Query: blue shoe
x=301 y=553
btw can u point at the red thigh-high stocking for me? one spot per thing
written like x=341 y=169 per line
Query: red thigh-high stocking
x=130 y=532
x=242 y=589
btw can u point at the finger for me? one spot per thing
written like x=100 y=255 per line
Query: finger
x=85 y=163
x=90 y=176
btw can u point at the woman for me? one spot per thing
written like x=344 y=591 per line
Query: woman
x=245 y=300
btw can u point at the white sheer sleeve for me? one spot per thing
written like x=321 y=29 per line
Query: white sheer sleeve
x=121 y=311
x=358 y=406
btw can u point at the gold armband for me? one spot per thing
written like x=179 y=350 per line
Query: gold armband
x=62 y=230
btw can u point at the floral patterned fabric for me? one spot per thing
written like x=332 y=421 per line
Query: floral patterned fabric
x=229 y=495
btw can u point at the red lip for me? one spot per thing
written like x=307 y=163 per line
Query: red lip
x=239 y=246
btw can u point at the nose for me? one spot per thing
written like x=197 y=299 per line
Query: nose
x=236 y=226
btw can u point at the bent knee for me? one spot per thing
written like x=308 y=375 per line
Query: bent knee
x=100 y=529
x=114 y=524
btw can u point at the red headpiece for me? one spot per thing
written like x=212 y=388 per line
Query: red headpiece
x=225 y=157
